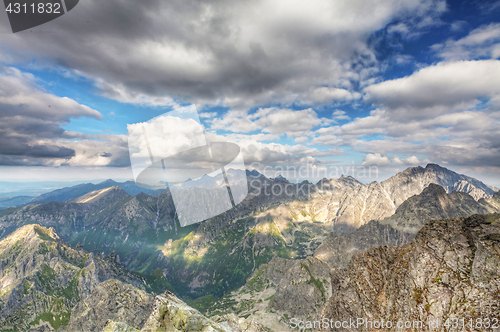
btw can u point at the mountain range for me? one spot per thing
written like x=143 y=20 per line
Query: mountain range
x=266 y=259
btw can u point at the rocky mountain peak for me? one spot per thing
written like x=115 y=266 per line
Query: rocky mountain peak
x=434 y=203
x=349 y=180
x=253 y=173
x=109 y=182
x=414 y=180
x=435 y=167
x=281 y=178
x=32 y=233
x=434 y=189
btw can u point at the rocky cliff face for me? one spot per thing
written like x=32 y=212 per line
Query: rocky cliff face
x=338 y=250
x=414 y=179
x=432 y=204
x=278 y=290
x=346 y=204
x=450 y=271
x=435 y=203
x=42 y=278
x=380 y=200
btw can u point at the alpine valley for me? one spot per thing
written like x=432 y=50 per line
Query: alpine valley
x=421 y=245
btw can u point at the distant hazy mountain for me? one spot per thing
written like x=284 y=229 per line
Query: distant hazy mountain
x=6 y=202
x=69 y=193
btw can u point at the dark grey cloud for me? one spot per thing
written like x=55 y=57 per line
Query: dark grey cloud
x=240 y=52
x=31 y=131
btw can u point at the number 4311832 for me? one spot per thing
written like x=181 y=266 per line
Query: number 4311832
x=40 y=8
x=478 y=323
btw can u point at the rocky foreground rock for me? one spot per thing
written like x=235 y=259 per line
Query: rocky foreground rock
x=449 y=275
x=170 y=314
x=111 y=300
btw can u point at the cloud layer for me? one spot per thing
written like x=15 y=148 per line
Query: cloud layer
x=238 y=53
x=282 y=71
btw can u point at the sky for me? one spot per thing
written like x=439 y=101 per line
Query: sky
x=333 y=87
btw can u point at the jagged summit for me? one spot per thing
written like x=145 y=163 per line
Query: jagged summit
x=347 y=177
x=435 y=166
x=109 y=182
x=415 y=179
x=29 y=233
x=434 y=188
x=253 y=173
x=281 y=178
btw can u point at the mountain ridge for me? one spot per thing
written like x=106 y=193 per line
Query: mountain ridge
x=42 y=277
x=289 y=222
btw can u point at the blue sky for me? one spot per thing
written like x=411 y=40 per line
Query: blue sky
x=322 y=85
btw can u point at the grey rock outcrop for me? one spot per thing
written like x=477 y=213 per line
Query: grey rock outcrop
x=111 y=300
x=451 y=270
x=112 y=326
x=338 y=250
x=278 y=290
